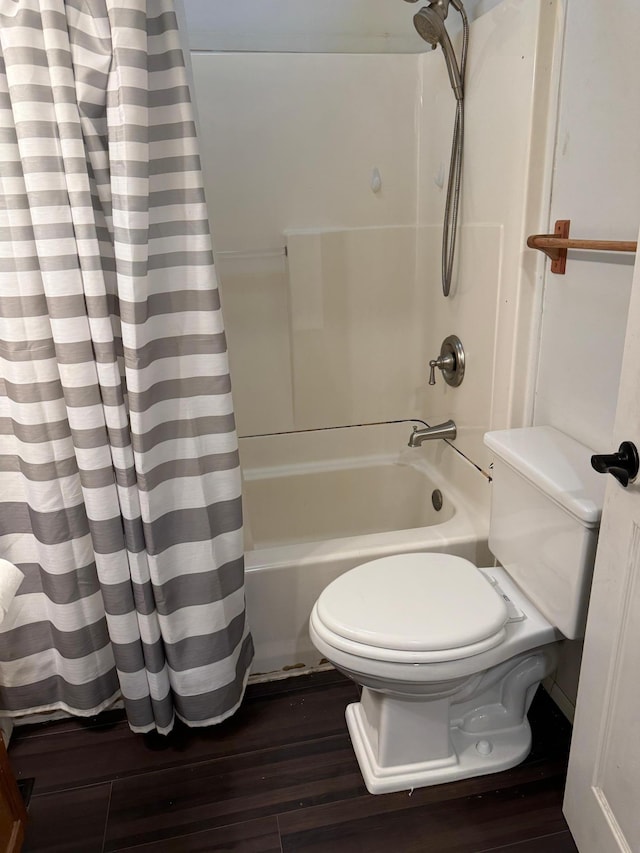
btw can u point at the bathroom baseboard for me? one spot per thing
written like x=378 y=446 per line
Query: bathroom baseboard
x=559 y=698
x=289 y=672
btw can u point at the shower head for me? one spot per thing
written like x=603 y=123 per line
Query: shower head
x=429 y=22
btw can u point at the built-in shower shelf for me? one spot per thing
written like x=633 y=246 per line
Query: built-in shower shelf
x=555 y=246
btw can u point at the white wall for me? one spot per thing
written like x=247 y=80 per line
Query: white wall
x=596 y=184
x=312 y=26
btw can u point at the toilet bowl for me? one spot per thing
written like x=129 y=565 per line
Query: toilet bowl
x=448 y=655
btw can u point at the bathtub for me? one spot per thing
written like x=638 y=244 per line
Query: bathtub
x=317 y=504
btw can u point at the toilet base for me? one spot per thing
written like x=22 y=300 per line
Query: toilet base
x=472 y=755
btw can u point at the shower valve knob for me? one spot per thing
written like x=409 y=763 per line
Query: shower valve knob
x=451 y=362
x=442 y=363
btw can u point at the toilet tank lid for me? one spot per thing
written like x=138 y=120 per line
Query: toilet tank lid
x=556 y=464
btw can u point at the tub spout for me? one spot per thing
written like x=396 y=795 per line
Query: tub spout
x=447 y=430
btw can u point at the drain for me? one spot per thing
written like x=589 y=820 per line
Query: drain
x=437 y=500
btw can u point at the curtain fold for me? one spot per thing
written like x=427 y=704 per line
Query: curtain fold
x=119 y=472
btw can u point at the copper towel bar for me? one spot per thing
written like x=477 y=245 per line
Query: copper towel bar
x=555 y=245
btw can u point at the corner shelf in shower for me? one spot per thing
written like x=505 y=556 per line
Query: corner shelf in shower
x=555 y=245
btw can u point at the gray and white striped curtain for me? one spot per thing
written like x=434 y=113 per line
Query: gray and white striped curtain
x=119 y=474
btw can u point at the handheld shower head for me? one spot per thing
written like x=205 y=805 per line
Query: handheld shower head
x=429 y=22
x=430 y=25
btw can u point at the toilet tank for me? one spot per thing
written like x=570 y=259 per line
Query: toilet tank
x=546 y=504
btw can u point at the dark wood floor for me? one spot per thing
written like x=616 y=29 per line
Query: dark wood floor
x=280 y=777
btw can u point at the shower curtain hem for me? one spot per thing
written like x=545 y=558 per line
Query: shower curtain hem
x=28 y=715
x=213 y=721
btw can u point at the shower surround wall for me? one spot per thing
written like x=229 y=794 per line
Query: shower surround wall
x=289 y=143
x=341 y=332
x=495 y=306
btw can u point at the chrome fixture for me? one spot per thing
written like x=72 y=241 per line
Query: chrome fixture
x=447 y=431
x=429 y=22
x=451 y=362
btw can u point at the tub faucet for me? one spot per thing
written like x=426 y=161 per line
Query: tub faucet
x=447 y=430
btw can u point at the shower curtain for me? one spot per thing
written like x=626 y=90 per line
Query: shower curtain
x=119 y=475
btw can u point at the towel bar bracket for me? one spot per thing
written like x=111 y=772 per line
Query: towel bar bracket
x=555 y=245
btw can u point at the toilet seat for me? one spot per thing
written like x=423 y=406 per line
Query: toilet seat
x=412 y=608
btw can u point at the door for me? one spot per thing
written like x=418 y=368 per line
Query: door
x=602 y=799
x=12 y=812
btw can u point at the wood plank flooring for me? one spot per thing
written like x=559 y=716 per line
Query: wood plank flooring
x=279 y=777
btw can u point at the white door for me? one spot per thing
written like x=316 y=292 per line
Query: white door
x=602 y=800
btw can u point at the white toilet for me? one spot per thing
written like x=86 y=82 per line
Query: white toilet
x=449 y=656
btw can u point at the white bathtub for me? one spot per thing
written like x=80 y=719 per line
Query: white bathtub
x=317 y=504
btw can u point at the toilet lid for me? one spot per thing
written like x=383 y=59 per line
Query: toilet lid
x=413 y=602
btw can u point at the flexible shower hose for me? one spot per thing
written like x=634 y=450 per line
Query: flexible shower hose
x=449 y=230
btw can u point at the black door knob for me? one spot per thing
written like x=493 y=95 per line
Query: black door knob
x=623 y=465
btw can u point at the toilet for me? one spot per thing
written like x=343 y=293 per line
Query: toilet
x=449 y=655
